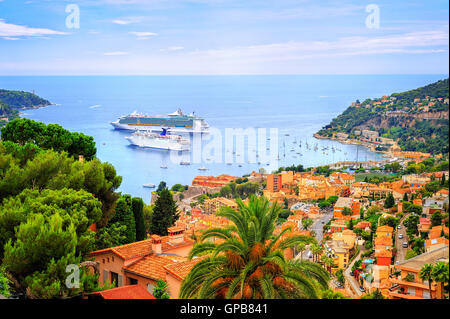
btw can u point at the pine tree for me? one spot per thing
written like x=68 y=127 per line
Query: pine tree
x=164 y=213
x=124 y=216
x=390 y=201
x=138 y=212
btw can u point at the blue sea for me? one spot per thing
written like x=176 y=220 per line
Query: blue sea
x=298 y=105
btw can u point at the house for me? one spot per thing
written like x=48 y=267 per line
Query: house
x=384 y=230
x=142 y=263
x=124 y=292
x=210 y=206
x=337 y=226
x=436 y=243
x=409 y=285
x=384 y=257
x=382 y=243
x=348 y=202
x=424 y=224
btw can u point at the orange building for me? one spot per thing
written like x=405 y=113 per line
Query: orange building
x=409 y=285
x=142 y=263
x=274 y=183
x=211 y=181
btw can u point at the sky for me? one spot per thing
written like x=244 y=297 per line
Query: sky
x=223 y=37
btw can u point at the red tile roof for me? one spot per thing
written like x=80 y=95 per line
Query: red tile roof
x=124 y=292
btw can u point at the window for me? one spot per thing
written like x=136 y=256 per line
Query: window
x=115 y=278
x=108 y=259
x=132 y=281
x=112 y=258
x=103 y=260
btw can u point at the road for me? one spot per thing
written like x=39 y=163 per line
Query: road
x=351 y=284
x=317 y=227
x=401 y=252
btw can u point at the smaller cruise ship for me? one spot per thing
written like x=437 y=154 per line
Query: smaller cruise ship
x=159 y=141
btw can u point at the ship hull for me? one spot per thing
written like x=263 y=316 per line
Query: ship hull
x=157 y=144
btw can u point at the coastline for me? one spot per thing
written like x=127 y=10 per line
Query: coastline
x=353 y=142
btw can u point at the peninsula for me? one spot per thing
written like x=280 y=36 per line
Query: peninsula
x=415 y=121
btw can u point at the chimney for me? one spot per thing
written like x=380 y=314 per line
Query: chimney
x=156 y=244
x=176 y=235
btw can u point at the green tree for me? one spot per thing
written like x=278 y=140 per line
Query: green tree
x=250 y=262
x=307 y=222
x=39 y=257
x=115 y=234
x=436 y=219
x=440 y=275
x=161 y=290
x=138 y=211
x=52 y=136
x=374 y=295
x=124 y=216
x=161 y=186
x=405 y=197
x=164 y=213
x=426 y=274
x=340 y=276
x=347 y=211
x=390 y=201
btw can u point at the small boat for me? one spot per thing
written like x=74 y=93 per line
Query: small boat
x=240 y=165
x=163 y=166
x=149 y=185
x=202 y=169
x=185 y=163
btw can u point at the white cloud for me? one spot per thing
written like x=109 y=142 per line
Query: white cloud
x=127 y=20
x=174 y=48
x=409 y=43
x=143 y=35
x=14 y=31
x=115 y=53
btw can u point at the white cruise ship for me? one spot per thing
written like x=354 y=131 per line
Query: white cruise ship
x=159 y=141
x=177 y=122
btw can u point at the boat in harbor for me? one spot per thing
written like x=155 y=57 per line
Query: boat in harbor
x=177 y=122
x=150 y=185
x=159 y=141
x=185 y=163
x=202 y=169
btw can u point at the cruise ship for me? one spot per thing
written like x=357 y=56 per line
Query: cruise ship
x=159 y=141
x=177 y=122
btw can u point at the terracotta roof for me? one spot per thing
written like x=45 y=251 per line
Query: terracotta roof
x=139 y=248
x=124 y=292
x=181 y=269
x=152 y=266
x=384 y=241
x=383 y=253
x=385 y=228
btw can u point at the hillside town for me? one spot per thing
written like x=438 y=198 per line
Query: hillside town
x=375 y=238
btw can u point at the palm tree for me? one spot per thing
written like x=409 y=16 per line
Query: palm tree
x=440 y=275
x=327 y=261
x=426 y=274
x=317 y=251
x=301 y=248
x=249 y=261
